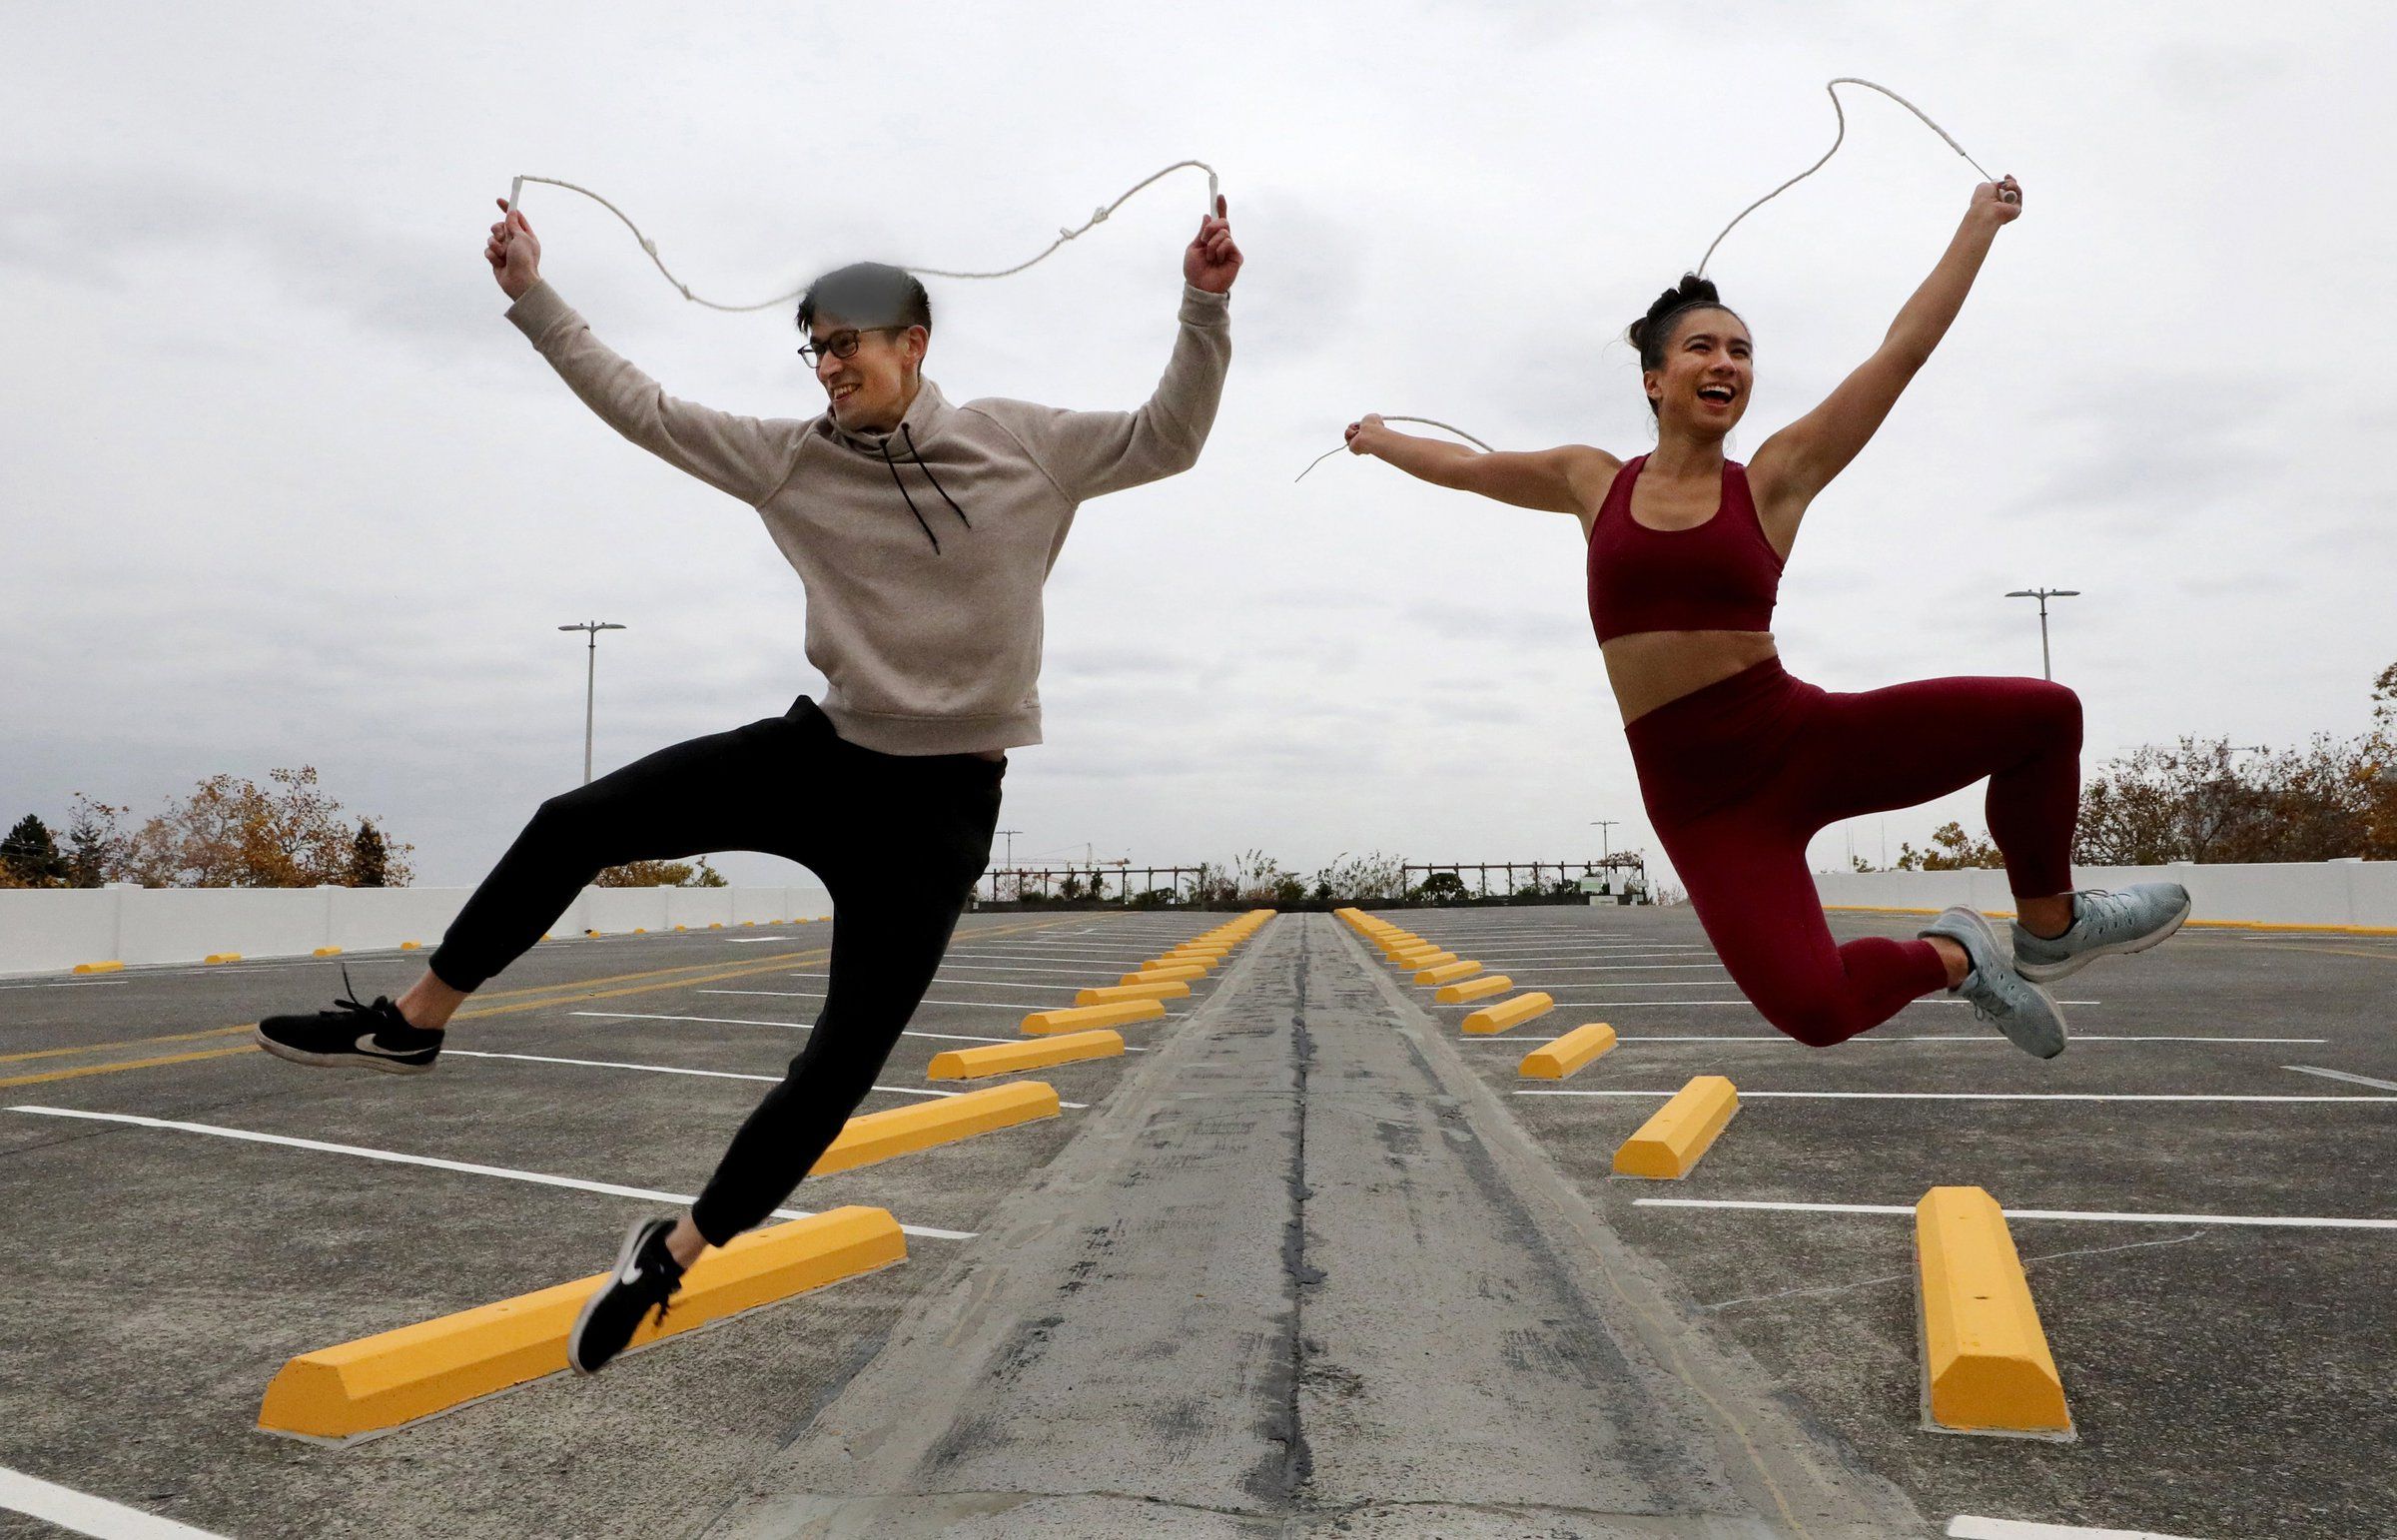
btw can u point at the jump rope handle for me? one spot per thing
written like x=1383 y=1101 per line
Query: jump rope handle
x=515 y=193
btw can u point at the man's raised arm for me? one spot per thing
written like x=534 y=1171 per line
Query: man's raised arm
x=1090 y=452
x=746 y=457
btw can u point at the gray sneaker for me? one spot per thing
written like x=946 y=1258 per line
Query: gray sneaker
x=2104 y=925
x=2025 y=1013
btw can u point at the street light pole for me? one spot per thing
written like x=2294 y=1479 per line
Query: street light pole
x=1605 y=844
x=1011 y=843
x=2043 y=595
x=590 y=683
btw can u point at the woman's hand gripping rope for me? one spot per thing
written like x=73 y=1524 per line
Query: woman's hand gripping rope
x=1358 y=436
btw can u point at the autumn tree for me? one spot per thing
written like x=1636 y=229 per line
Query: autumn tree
x=230 y=832
x=1951 y=850
x=660 y=874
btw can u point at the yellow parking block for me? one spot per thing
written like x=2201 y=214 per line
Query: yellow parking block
x=1109 y=993
x=880 y=1136
x=223 y=957
x=398 y=1376
x=1509 y=1013
x=1668 y=1145
x=1473 y=989
x=1420 y=959
x=1203 y=964
x=1554 y=1060
x=412 y=946
x=1211 y=954
x=1986 y=1364
x=1075 y=1018
x=108 y=966
x=328 y=951
x=968 y=1064
x=1183 y=973
x=1448 y=971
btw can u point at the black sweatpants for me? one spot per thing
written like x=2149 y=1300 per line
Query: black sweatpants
x=898 y=840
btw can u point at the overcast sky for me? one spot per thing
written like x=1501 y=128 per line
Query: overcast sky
x=281 y=486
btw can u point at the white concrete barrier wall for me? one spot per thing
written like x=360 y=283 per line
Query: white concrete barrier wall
x=2266 y=893
x=48 y=929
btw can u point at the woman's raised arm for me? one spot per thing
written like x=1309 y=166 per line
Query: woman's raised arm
x=1799 y=462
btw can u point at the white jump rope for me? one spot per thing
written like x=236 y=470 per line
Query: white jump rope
x=1837 y=140
x=1098 y=217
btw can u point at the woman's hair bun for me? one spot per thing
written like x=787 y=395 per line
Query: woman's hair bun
x=1691 y=290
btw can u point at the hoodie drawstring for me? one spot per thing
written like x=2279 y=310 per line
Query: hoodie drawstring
x=893 y=466
x=925 y=465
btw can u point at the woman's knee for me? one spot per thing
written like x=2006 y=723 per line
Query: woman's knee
x=2055 y=711
x=1817 y=1023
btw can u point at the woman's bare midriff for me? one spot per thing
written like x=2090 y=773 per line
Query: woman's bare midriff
x=1650 y=669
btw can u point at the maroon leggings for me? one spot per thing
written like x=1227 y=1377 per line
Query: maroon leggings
x=1740 y=775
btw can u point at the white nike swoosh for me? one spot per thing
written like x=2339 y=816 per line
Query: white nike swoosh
x=365 y=1045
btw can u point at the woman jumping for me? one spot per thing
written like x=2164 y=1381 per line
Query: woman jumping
x=1739 y=765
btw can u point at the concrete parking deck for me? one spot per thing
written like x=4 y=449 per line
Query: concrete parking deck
x=1306 y=1258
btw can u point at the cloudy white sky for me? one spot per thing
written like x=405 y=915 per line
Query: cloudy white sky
x=279 y=485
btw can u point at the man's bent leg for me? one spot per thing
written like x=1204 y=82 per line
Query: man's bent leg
x=885 y=949
x=727 y=791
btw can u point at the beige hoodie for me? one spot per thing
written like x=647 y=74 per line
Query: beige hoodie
x=923 y=551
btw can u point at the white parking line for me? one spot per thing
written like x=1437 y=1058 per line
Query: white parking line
x=1970 y=1096
x=736 y=1021
x=1018 y=948
x=2097 y=1215
x=1966 y=1526
x=1041 y=965
x=1005 y=984
x=728 y=1075
x=2341 y=1074
x=1909 y=1005
x=86 y=1514
x=976 y=960
x=970 y=1005
x=396 y=1157
x=1535 y=955
x=1877 y=1037
x=1625 y=968
x=1631 y=984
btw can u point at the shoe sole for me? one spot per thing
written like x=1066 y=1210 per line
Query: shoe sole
x=590 y=1306
x=2048 y=972
x=352 y=1058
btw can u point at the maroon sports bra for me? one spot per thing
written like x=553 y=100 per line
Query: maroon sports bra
x=1722 y=576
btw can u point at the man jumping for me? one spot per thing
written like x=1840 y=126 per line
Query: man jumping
x=922 y=533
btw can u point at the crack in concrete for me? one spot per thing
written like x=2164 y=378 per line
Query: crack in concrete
x=1298 y=1461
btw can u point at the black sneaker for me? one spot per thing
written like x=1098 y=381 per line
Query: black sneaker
x=352 y=1032
x=646 y=1277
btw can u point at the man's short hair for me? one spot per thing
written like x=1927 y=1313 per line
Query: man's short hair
x=867 y=294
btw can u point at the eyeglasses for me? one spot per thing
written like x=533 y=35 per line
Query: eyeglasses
x=841 y=344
